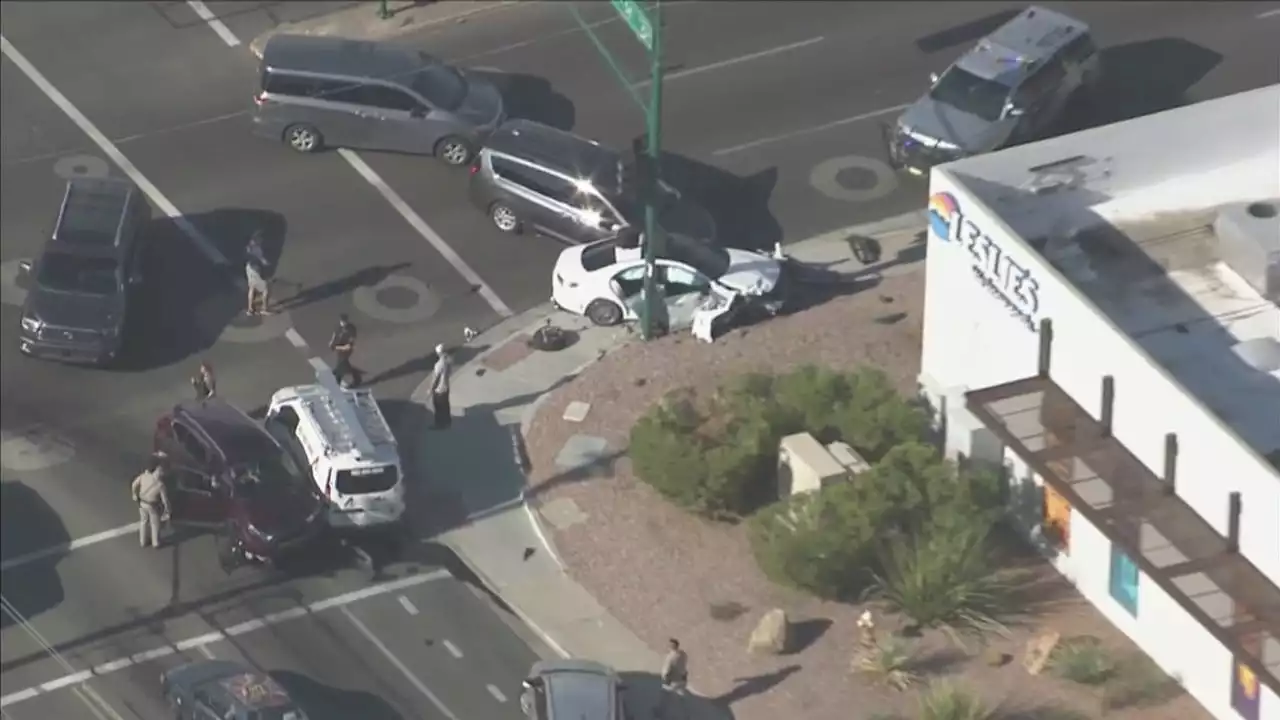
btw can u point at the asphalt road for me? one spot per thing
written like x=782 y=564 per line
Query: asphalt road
x=776 y=121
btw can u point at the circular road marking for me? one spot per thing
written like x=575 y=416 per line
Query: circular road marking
x=35 y=448
x=11 y=292
x=81 y=166
x=384 y=300
x=826 y=178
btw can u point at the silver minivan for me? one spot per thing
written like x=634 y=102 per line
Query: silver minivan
x=332 y=92
x=573 y=690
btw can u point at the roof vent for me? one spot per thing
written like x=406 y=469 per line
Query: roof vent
x=1249 y=240
x=1262 y=354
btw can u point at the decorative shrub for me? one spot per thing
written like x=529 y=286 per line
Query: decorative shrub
x=888 y=662
x=1082 y=660
x=944 y=701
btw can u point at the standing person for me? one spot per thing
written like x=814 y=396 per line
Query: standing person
x=205 y=384
x=254 y=272
x=343 y=344
x=675 y=681
x=153 y=501
x=441 y=413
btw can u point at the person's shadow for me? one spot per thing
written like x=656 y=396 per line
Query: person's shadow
x=754 y=685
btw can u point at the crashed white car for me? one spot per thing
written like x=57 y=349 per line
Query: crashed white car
x=604 y=280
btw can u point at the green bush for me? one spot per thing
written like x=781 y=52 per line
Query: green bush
x=945 y=701
x=1082 y=660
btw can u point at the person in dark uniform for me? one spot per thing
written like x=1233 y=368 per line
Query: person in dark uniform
x=343 y=344
x=206 y=386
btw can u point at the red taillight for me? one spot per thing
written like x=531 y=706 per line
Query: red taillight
x=260 y=98
x=475 y=168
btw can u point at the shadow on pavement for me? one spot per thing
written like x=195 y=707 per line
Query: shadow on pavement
x=460 y=355
x=1141 y=78
x=186 y=301
x=966 y=34
x=29 y=524
x=645 y=701
x=367 y=277
x=739 y=205
x=325 y=702
x=529 y=97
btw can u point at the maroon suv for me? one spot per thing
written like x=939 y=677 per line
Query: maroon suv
x=225 y=472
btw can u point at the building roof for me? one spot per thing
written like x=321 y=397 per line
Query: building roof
x=1133 y=215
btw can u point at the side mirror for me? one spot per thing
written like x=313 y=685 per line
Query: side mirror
x=1014 y=112
x=933 y=78
x=24 y=267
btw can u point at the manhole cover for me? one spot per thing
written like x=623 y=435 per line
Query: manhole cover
x=397 y=298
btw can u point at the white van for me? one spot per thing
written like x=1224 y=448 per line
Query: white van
x=342 y=436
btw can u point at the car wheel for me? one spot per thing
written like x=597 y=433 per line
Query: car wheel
x=604 y=313
x=303 y=138
x=454 y=151
x=504 y=218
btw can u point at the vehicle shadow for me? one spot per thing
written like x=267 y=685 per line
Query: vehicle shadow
x=530 y=97
x=325 y=702
x=644 y=699
x=1129 y=88
x=186 y=301
x=29 y=524
x=739 y=205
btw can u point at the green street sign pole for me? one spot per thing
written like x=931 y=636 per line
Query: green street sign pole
x=653 y=145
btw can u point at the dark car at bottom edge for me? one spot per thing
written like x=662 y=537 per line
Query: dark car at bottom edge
x=224 y=472
x=223 y=690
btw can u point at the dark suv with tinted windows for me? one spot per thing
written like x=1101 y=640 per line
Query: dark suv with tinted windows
x=224 y=472
x=82 y=284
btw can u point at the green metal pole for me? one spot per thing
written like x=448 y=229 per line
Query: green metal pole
x=383 y=12
x=652 y=231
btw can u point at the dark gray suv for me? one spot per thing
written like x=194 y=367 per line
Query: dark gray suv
x=1013 y=87
x=327 y=91
x=81 y=285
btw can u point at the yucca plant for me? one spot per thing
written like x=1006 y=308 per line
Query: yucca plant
x=888 y=662
x=943 y=578
x=1083 y=660
x=945 y=701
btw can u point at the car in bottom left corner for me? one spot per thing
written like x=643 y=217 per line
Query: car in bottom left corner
x=224 y=472
x=223 y=690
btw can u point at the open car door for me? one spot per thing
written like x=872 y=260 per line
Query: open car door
x=198 y=499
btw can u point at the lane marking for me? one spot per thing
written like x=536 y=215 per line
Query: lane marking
x=431 y=236
x=153 y=193
x=496 y=693
x=94 y=539
x=244 y=628
x=213 y=22
x=295 y=339
x=205 y=651
x=809 y=131
x=1269 y=13
x=398 y=664
x=408 y=605
x=453 y=649
x=733 y=61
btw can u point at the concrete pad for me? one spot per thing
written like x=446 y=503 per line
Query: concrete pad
x=577 y=411
x=581 y=451
x=563 y=513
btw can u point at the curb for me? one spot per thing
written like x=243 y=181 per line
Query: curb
x=323 y=28
x=543 y=635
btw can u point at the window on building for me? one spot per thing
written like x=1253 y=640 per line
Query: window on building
x=1056 y=523
x=1124 y=580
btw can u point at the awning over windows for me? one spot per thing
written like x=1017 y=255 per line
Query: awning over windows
x=1140 y=512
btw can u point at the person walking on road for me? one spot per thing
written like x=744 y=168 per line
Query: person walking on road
x=153 y=501
x=675 y=683
x=205 y=384
x=441 y=413
x=343 y=344
x=255 y=274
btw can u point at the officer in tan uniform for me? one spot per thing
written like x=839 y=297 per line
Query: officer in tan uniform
x=153 y=501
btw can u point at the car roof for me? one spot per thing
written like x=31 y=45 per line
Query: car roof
x=577 y=688
x=342 y=56
x=559 y=150
x=252 y=690
x=225 y=424
x=1017 y=48
x=92 y=212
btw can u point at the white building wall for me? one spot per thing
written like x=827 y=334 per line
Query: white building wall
x=982 y=332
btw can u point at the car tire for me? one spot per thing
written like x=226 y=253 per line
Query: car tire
x=604 y=313
x=454 y=151
x=504 y=218
x=303 y=138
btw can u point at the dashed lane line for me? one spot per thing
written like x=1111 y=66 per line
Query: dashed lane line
x=808 y=131
x=214 y=23
x=202 y=243
x=399 y=664
x=453 y=649
x=408 y=605
x=496 y=693
x=338 y=601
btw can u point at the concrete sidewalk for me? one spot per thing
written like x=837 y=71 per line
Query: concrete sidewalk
x=362 y=22
x=479 y=462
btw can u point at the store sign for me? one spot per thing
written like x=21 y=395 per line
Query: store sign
x=1006 y=280
x=1246 y=691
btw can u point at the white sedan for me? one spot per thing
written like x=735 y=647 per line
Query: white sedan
x=604 y=280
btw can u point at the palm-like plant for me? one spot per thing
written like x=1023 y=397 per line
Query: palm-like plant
x=888 y=662
x=943 y=578
x=945 y=701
